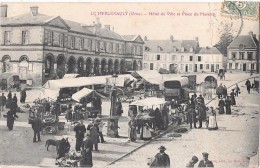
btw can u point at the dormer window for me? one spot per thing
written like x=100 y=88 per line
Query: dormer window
x=146 y=48
x=241 y=47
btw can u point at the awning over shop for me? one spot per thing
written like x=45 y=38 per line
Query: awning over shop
x=151 y=101
x=85 y=93
x=75 y=82
x=49 y=93
x=122 y=80
x=151 y=76
x=71 y=76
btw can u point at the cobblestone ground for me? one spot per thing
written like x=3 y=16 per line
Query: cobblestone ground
x=235 y=140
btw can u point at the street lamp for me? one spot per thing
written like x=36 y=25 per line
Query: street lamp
x=112 y=125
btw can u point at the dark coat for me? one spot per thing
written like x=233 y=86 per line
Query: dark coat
x=10 y=119
x=2 y=100
x=161 y=160
x=248 y=84
x=86 y=152
x=80 y=131
x=207 y=163
x=202 y=112
x=37 y=124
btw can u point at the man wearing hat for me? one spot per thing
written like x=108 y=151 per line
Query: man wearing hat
x=161 y=159
x=193 y=161
x=221 y=105
x=201 y=113
x=205 y=162
x=80 y=130
x=201 y=99
x=37 y=126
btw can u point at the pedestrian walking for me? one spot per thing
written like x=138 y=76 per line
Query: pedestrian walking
x=228 y=104
x=221 y=105
x=248 y=86
x=219 y=90
x=10 y=119
x=192 y=116
x=200 y=99
x=22 y=96
x=192 y=162
x=100 y=128
x=86 y=152
x=224 y=91
x=94 y=134
x=212 y=119
x=233 y=100
x=161 y=159
x=201 y=114
x=237 y=90
x=205 y=162
x=2 y=103
x=80 y=130
x=9 y=100
x=165 y=116
x=37 y=126
x=132 y=129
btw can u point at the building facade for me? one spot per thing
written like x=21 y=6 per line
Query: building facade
x=38 y=47
x=243 y=53
x=180 y=56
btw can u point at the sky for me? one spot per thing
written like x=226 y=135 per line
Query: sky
x=157 y=21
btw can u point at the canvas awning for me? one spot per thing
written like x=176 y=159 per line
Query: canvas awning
x=121 y=80
x=85 y=92
x=49 y=93
x=151 y=76
x=75 y=82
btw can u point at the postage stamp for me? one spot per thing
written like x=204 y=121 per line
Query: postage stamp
x=247 y=10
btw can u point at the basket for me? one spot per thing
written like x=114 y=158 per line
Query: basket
x=61 y=125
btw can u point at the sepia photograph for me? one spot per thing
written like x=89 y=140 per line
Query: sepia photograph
x=129 y=84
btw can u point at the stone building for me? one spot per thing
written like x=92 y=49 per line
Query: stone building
x=243 y=53
x=39 y=47
x=180 y=56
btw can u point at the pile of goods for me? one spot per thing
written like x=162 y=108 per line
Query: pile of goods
x=70 y=160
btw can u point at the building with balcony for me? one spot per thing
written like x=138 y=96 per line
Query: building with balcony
x=39 y=47
x=243 y=53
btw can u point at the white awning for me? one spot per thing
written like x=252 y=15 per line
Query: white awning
x=151 y=76
x=85 y=93
x=151 y=101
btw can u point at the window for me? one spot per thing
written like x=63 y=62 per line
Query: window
x=110 y=47
x=250 y=56
x=50 y=38
x=7 y=38
x=234 y=55
x=102 y=46
x=201 y=66
x=61 y=40
x=207 y=66
x=191 y=58
x=173 y=57
x=253 y=66
x=145 y=66
x=241 y=55
x=182 y=66
x=217 y=66
x=72 y=44
x=89 y=45
x=81 y=44
x=6 y=64
x=199 y=58
x=117 y=48
x=230 y=65
x=158 y=57
x=146 y=48
x=182 y=57
x=25 y=38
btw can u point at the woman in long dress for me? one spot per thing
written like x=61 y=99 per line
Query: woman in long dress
x=212 y=123
x=147 y=135
x=10 y=119
x=132 y=129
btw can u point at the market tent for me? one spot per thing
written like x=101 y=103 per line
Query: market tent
x=49 y=93
x=85 y=92
x=75 y=82
x=121 y=80
x=71 y=76
x=151 y=76
x=151 y=101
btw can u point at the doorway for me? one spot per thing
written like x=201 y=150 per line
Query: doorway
x=244 y=67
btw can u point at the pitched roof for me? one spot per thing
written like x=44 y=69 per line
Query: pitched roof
x=207 y=50
x=246 y=40
x=169 y=45
x=129 y=37
x=104 y=32
x=27 y=18
x=77 y=27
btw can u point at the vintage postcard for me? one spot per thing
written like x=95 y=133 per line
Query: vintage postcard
x=120 y=84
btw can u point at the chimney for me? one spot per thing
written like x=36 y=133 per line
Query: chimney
x=107 y=27
x=145 y=38
x=34 y=10
x=197 y=39
x=4 y=10
x=171 y=38
x=98 y=24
